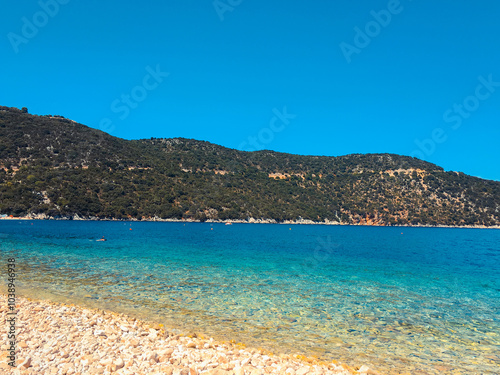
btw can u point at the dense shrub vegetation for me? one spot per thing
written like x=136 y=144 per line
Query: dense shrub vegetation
x=53 y=166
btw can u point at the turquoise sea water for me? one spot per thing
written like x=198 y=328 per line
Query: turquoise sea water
x=401 y=300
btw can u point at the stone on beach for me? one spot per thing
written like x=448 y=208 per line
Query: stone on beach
x=23 y=345
x=25 y=363
x=365 y=370
x=302 y=371
x=119 y=363
x=69 y=340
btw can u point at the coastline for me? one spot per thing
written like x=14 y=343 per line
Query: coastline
x=56 y=338
x=240 y=221
x=214 y=303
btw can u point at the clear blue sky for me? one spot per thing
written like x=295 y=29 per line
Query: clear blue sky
x=359 y=76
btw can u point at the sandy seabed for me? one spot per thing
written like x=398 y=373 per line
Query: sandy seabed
x=54 y=338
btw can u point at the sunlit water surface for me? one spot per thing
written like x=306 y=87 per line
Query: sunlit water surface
x=401 y=300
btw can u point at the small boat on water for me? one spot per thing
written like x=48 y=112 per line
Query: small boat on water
x=228 y=223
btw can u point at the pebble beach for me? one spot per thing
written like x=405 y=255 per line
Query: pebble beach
x=54 y=338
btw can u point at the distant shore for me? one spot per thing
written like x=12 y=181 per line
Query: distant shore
x=239 y=221
x=55 y=338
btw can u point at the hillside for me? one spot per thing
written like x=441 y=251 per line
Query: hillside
x=54 y=167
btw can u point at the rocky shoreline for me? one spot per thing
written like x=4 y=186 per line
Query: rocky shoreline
x=249 y=221
x=60 y=339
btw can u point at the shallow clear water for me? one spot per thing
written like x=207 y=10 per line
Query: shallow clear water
x=401 y=300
